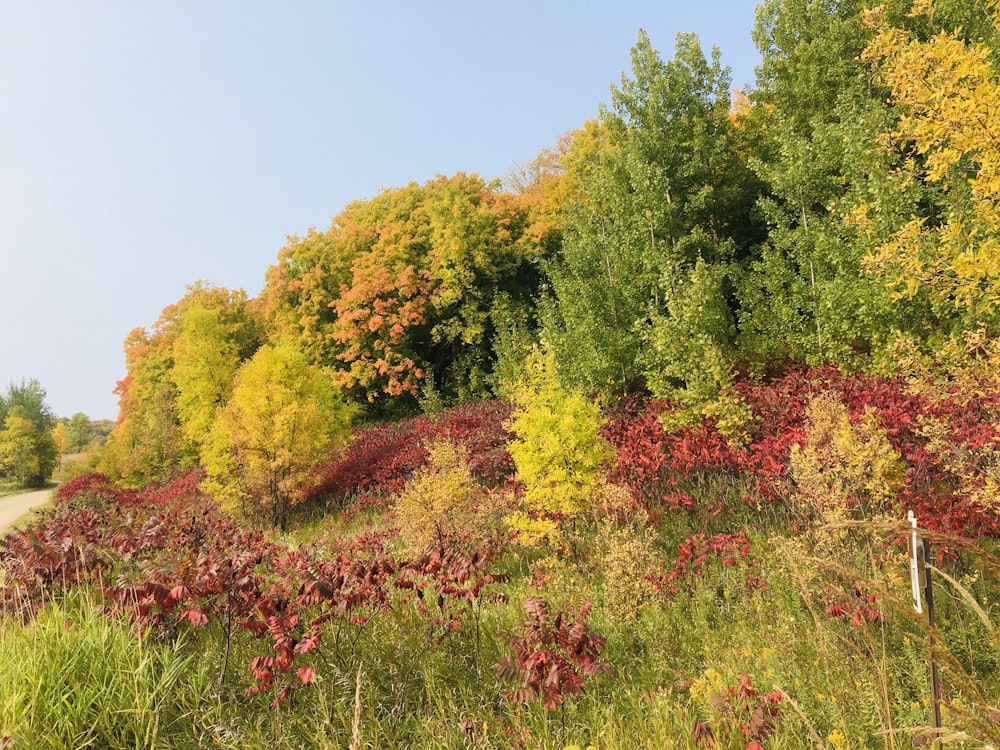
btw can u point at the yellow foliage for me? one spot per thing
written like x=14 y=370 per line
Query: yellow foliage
x=558 y=451
x=442 y=502
x=844 y=466
x=626 y=558
x=950 y=99
x=283 y=420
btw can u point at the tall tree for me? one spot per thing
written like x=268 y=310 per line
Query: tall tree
x=667 y=191
x=280 y=425
x=834 y=189
x=210 y=345
x=406 y=287
x=79 y=431
x=149 y=443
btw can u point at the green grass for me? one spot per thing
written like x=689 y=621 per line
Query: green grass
x=72 y=678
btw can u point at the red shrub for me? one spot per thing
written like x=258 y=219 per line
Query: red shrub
x=381 y=458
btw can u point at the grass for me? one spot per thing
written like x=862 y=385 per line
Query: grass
x=73 y=678
x=679 y=658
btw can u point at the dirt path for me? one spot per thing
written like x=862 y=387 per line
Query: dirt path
x=13 y=507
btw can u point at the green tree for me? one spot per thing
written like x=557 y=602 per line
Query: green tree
x=834 y=189
x=282 y=422
x=20 y=461
x=79 y=431
x=28 y=450
x=668 y=190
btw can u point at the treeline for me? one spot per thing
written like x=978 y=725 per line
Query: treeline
x=32 y=438
x=845 y=210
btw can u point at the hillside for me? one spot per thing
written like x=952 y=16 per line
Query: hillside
x=618 y=451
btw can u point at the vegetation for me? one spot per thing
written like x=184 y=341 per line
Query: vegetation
x=683 y=376
x=28 y=450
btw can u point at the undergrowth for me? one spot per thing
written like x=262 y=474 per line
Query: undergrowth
x=729 y=595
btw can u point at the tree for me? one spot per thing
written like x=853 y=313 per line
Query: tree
x=410 y=287
x=949 y=131
x=206 y=358
x=441 y=259
x=558 y=451
x=666 y=189
x=283 y=420
x=60 y=439
x=78 y=433
x=834 y=191
x=149 y=443
x=28 y=450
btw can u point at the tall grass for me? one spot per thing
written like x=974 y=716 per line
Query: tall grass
x=72 y=678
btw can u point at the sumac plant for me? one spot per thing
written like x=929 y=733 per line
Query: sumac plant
x=743 y=713
x=381 y=459
x=554 y=655
x=450 y=588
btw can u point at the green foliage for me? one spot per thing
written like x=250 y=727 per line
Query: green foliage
x=28 y=449
x=70 y=677
x=266 y=446
x=558 y=451
x=27 y=456
x=79 y=431
x=670 y=190
x=689 y=356
x=835 y=190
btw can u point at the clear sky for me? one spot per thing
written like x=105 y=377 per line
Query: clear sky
x=144 y=146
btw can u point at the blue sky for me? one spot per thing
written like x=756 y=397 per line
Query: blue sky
x=144 y=146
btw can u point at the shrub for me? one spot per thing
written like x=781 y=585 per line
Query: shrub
x=443 y=504
x=559 y=453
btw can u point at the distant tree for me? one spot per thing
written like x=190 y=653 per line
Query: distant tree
x=28 y=399
x=59 y=436
x=18 y=455
x=28 y=450
x=78 y=432
x=281 y=423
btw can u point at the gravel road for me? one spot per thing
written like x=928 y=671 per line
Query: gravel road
x=13 y=507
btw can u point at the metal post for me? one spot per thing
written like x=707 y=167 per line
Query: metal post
x=929 y=595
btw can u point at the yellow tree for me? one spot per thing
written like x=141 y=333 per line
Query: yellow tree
x=558 y=451
x=148 y=443
x=283 y=420
x=59 y=436
x=205 y=363
x=949 y=96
